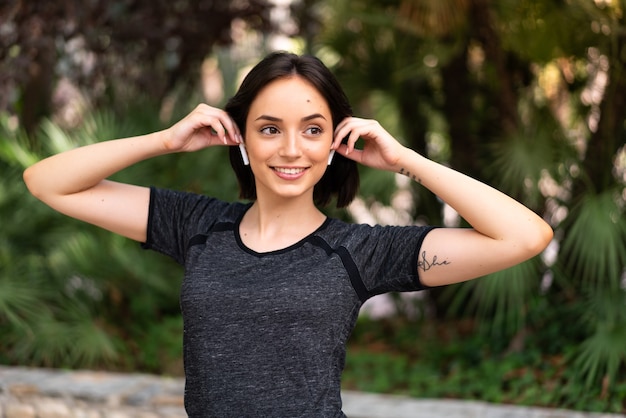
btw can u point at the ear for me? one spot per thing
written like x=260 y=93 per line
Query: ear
x=244 y=154
x=330 y=156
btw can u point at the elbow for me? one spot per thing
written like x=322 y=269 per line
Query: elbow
x=27 y=176
x=540 y=238
x=30 y=180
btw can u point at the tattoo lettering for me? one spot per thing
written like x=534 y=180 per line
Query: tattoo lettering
x=425 y=265
x=408 y=174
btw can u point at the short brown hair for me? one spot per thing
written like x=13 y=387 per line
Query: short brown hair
x=341 y=179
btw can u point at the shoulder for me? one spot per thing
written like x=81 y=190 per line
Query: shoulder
x=382 y=258
x=194 y=205
x=339 y=233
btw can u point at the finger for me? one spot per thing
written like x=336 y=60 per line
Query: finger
x=216 y=129
x=232 y=129
x=232 y=134
x=339 y=139
x=219 y=121
x=351 y=143
x=236 y=130
x=355 y=154
x=336 y=141
x=341 y=131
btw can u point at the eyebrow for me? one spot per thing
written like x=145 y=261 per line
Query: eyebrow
x=304 y=119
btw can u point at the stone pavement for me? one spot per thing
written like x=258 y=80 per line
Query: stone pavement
x=45 y=393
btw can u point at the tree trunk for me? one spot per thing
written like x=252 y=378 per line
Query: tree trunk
x=37 y=91
x=611 y=133
x=504 y=95
x=427 y=205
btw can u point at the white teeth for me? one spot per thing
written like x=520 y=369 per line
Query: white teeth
x=289 y=170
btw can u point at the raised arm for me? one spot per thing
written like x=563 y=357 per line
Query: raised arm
x=74 y=182
x=503 y=233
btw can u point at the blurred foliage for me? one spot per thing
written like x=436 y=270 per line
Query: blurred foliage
x=453 y=360
x=526 y=96
x=146 y=46
x=73 y=295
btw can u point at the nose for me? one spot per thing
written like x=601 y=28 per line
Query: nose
x=290 y=147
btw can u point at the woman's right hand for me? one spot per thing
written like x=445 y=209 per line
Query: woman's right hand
x=205 y=126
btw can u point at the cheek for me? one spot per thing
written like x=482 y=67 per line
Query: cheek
x=318 y=151
x=322 y=146
x=257 y=149
x=318 y=154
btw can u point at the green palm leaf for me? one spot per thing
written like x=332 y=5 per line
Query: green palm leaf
x=520 y=161
x=594 y=246
x=20 y=300
x=499 y=300
x=74 y=341
x=14 y=146
x=602 y=354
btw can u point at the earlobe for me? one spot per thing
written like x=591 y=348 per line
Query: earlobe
x=330 y=156
x=244 y=154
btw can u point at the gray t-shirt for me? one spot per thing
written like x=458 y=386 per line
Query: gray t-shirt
x=265 y=333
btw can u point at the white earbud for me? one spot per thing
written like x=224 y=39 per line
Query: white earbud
x=244 y=154
x=330 y=156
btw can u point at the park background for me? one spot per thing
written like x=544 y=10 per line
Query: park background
x=528 y=96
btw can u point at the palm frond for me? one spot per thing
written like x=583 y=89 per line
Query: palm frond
x=68 y=336
x=602 y=354
x=499 y=300
x=15 y=149
x=56 y=139
x=20 y=300
x=519 y=161
x=93 y=345
x=593 y=247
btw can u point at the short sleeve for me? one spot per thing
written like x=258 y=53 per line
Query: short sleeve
x=387 y=257
x=175 y=217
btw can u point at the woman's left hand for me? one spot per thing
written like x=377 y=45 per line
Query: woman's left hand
x=380 y=149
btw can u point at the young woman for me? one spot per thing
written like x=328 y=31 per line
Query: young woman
x=273 y=287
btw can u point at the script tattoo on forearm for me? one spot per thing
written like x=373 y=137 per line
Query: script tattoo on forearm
x=409 y=175
x=424 y=264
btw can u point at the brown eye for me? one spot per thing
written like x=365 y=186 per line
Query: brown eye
x=314 y=130
x=269 y=130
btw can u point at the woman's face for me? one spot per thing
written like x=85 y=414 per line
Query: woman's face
x=289 y=131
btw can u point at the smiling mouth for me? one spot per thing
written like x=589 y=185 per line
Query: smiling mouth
x=290 y=171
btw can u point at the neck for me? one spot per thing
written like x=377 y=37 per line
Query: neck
x=274 y=223
x=268 y=215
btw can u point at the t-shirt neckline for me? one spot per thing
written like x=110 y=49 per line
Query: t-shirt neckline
x=288 y=248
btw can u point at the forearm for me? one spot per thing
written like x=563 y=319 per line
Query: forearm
x=82 y=168
x=487 y=210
